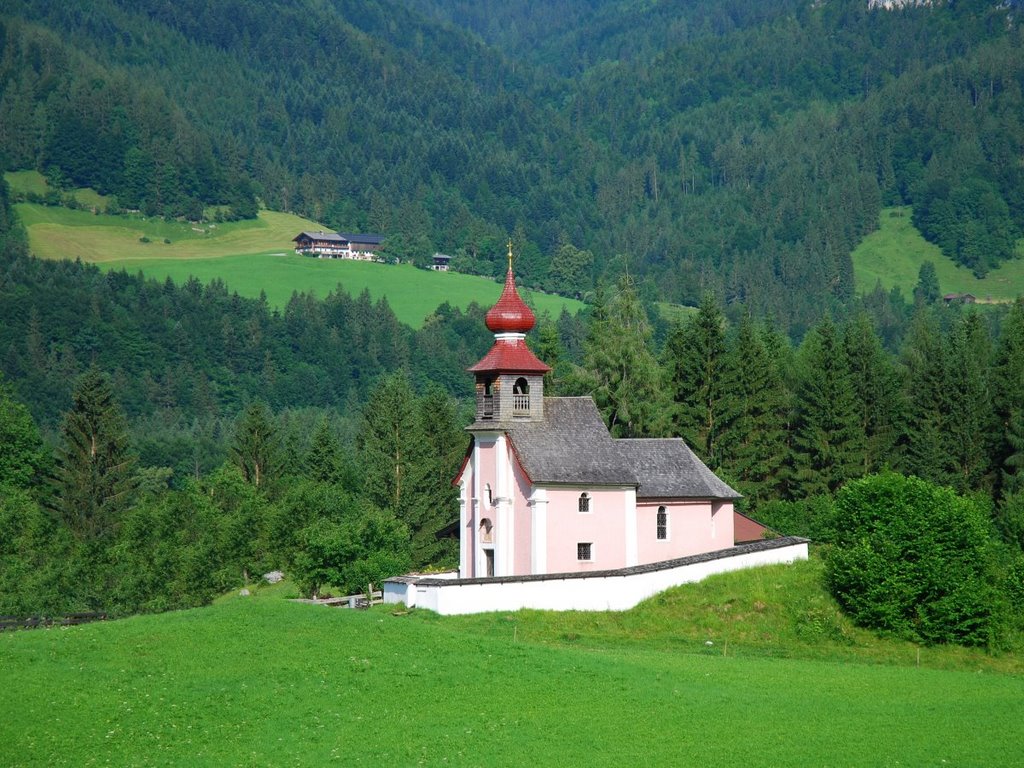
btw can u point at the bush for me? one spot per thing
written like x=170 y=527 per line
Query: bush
x=369 y=547
x=916 y=560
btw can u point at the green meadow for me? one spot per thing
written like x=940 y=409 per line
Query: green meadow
x=412 y=293
x=893 y=255
x=250 y=257
x=261 y=681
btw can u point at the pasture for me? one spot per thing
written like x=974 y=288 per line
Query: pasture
x=893 y=255
x=260 y=681
x=253 y=257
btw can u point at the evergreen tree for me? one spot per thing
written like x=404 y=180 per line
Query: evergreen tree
x=323 y=461
x=620 y=370
x=828 y=442
x=928 y=403
x=434 y=503
x=1013 y=465
x=1008 y=399
x=694 y=360
x=256 y=446
x=388 y=444
x=752 y=446
x=877 y=392
x=551 y=352
x=94 y=480
x=927 y=289
x=970 y=418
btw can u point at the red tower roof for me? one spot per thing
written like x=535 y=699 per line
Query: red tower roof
x=510 y=356
x=510 y=314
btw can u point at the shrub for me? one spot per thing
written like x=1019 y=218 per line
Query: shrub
x=914 y=559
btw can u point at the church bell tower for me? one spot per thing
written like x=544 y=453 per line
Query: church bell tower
x=510 y=378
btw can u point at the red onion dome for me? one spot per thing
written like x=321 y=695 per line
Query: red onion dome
x=510 y=314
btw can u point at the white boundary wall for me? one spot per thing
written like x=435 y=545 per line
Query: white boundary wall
x=616 y=590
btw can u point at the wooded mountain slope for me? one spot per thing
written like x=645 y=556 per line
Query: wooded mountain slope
x=738 y=147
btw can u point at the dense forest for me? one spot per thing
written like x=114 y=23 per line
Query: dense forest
x=732 y=147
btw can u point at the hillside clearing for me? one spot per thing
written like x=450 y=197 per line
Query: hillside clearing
x=253 y=257
x=892 y=255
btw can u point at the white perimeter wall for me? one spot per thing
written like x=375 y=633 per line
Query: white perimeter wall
x=615 y=592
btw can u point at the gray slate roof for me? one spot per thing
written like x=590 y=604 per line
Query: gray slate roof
x=572 y=446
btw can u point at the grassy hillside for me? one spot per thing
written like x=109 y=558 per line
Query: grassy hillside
x=893 y=255
x=260 y=681
x=412 y=293
x=249 y=256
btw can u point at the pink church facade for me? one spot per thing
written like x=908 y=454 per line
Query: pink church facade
x=545 y=489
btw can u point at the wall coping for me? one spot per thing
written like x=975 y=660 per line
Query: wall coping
x=764 y=545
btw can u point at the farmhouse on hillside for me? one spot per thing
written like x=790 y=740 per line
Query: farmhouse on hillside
x=334 y=245
x=552 y=506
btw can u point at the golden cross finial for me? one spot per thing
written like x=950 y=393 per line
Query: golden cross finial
x=510 y=254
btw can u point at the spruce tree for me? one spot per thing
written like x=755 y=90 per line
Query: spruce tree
x=551 y=352
x=928 y=402
x=388 y=444
x=970 y=417
x=876 y=388
x=434 y=504
x=620 y=370
x=323 y=461
x=1013 y=466
x=256 y=446
x=828 y=442
x=927 y=289
x=752 y=436
x=94 y=481
x=1008 y=399
x=694 y=360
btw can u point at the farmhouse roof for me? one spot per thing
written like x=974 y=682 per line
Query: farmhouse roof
x=364 y=239
x=341 y=237
x=572 y=445
x=331 y=236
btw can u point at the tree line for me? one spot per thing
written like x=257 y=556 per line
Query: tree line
x=908 y=467
x=86 y=526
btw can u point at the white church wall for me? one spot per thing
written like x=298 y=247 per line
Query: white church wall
x=604 y=591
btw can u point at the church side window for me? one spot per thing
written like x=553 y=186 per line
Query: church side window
x=662 y=523
x=584 y=551
x=584 y=505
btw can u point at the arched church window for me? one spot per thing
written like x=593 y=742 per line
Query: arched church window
x=490 y=494
x=521 y=387
x=662 y=523
x=584 y=505
x=486 y=531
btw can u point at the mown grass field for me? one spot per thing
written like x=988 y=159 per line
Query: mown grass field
x=260 y=681
x=253 y=257
x=412 y=293
x=893 y=255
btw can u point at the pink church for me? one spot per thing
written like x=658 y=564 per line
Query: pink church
x=545 y=488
